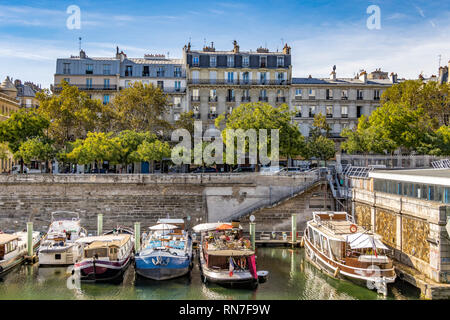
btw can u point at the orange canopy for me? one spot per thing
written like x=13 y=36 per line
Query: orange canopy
x=224 y=227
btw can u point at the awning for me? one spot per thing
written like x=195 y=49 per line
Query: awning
x=363 y=240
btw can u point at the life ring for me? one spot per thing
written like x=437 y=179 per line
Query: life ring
x=353 y=228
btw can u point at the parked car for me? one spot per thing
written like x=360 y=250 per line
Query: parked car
x=205 y=170
x=98 y=171
x=16 y=169
x=270 y=170
x=244 y=169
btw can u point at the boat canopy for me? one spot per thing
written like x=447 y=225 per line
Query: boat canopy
x=178 y=221
x=103 y=238
x=163 y=226
x=363 y=240
x=209 y=226
x=5 y=238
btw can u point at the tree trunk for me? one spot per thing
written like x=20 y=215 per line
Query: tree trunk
x=21 y=165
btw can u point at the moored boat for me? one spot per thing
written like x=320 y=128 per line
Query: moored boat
x=335 y=244
x=166 y=252
x=13 y=249
x=226 y=258
x=105 y=257
x=59 y=246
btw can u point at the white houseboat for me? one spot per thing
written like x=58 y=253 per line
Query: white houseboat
x=336 y=245
x=59 y=247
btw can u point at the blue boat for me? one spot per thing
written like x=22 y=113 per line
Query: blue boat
x=164 y=256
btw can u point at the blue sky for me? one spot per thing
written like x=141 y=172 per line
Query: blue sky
x=321 y=33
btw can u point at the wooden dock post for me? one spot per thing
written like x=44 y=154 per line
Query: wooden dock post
x=137 y=237
x=30 y=238
x=99 y=224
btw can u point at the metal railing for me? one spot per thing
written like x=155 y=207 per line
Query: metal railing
x=238 y=82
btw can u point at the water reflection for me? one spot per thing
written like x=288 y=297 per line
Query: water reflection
x=290 y=277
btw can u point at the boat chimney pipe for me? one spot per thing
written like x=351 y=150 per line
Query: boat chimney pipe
x=30 y=238
x=294 y=228
x=99 y=224
x=137 y=237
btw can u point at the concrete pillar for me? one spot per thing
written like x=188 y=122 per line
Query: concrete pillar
x=398 y=233
x=99 y=224
x=30 y=238
x=373 y=218
x=252 y=234
x=137 y=237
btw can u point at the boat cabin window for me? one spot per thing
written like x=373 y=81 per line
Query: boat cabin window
x=317 y=240
x=101 y=252
x=324 y=242
x=337 y=248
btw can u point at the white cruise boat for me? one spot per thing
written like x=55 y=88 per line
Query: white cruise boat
x=59 y=247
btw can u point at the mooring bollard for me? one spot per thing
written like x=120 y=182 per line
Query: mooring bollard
x=252 y=234
x=30 y=238
x=99 y=224
x=294 y=228
x=137 y=236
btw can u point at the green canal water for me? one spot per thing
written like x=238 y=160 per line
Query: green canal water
x=291 y=277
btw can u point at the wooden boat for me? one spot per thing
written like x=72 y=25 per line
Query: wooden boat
x=59 y=246
x=166 y=252
x=336 y=245
x=225 y=257
x=13 y=249
x=105 y=257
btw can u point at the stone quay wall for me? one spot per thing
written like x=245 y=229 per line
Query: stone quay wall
x=124 y=199
x=414 y=228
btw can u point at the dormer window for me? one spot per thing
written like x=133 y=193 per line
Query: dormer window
x=280 y=62
x=230 y=61
x=195 y=60
x=160 y=72
x=66 y=68
x=106 y=69
x=89 y=69
x=263 y=62
x=213 y=61
x=129 y=71
x=245 y=61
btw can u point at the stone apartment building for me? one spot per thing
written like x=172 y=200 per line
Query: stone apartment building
x=103 y=77
x=219 y=81
x=210 y=82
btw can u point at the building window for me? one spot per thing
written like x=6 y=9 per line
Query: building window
x=106 y=83
x=106 y=99
x=298 y=93
x=359 y=94
x=129 y=71
x=262 y=77
x=177 y=72
x=230 y=77
x=127 y=83
x=212 y=95
x=245 y=77
x=280 y=62
x=67 y=80
x=230 y=61
x=146 y=71
x=263 y=95
x=344 y=112
x=160 y=85
x=230 y=95
x=160 y=72
x=195 y=95
x=312 y=111
x=177 y=85
x=344 y=95
x=66 y=68
x=195 y=76
x=329 y=111
x=245 y=61
x=312 y=93
x=106 y=69
x=212 y=76
x=359 y=111
x=177 y=101
x=89 y=69
x=213 y=61
x=280 y=77
x=329 y=94
x=263 y=62
x=376 y=94
x=246 y=95
x=195 y=61
x=89 y=83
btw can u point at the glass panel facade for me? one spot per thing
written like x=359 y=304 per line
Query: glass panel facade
x=436 y=193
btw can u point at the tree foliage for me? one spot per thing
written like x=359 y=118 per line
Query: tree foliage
x=141 y=107
x=318 y=145
x=35 y=149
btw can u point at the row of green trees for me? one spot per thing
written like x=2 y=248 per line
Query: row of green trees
x=413 y=116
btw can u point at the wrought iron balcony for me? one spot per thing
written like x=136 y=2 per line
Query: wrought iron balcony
x=237 y=82
x=231 y=99
x=195 y=98
x=246 y=99
x=99 y=87
x=264 y=99
x=281 y=99
x=212 y=116
x=213 y=99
